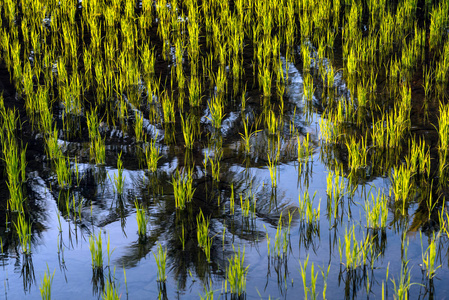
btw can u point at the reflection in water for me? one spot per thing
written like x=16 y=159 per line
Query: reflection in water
x=27 y=271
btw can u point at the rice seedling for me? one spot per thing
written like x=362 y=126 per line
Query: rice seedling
x=354 y=253
x=247 y=134
x=402 y=185
x=376 y=212
x=45 y=287
x=183 y=188
x=188 y=131
x=119 y=178
x=63 y=172
x=402 y=287
x=232 y=200
x=307 y=213
x=204 y=241
x=142 y=220
x=429 y=257
x=96 y=250
x=23 y=229
x=443 y=134
x=304 y=148
x=138 y=127
x=110 y=290
x=161 y=260
x=357 y=153
x=313 y=279
x=236 y=273
x=152 y=155
x=216 y=109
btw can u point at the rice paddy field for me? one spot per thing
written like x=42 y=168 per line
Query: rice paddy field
x=224 y=149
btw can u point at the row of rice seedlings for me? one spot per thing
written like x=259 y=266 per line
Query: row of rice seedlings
x=183 y=187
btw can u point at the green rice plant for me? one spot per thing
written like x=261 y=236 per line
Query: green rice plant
x=401 y=185
x=110 y=291
x=402 y=287
x=236 y=273
x=429 y=257
x=45 y=287
x=418 y=160
x=304 y=148
x=168 y=108
x=63 y=172
x=138 y=127
x=265 y=80
x=152 y=155
x=232 y=200
x=183 y=188
x=96 y=251
x=272 y=168
x=215 y=166
x=376 y=211
x=99 y=150
x=216 y=109
x=142 y=220
x=443 y=134
x=119 y=179
x=272 y=122
x=313 y=278
x=209 y=292
x=161 y=261
x=357 y=153
x=438 y=21
x=352 y=251
x=188 y=132
x=335 y=191
x=23 y=229
x=281 y=239
x=194 y=91
x=247 y=134
x=307 y=213
x=308 y=88
x=202 y=229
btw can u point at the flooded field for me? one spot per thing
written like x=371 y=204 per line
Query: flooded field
x=246 y=149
